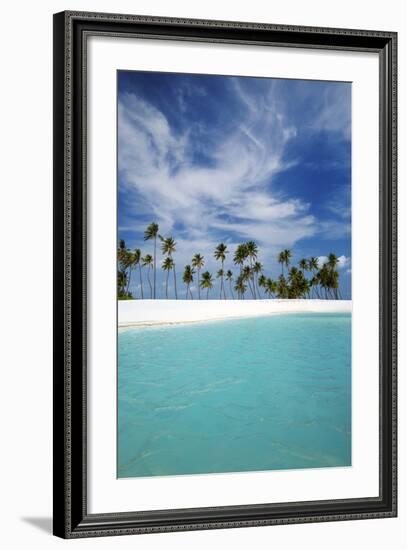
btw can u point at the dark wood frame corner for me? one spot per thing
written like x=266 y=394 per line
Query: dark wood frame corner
x=71 y=519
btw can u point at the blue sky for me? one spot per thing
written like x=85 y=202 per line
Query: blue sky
x=229 y=159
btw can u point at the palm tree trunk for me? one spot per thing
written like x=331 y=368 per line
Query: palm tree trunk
x=199 y=286
x=207 y=294
x=149 y=282
x=175 y=283
x=223 y=286
x=251 y=289
x=122 y=281
x=128 y=281
x=141 y=282
x=166 y=284
x=155 y=257
x=257 y=283
x=231 y=290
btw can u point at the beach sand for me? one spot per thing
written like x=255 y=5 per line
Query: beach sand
x=132 y=313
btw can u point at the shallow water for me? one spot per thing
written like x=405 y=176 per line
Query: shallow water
x=239 y=395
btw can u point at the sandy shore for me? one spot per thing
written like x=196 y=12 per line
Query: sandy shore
x=163 y=312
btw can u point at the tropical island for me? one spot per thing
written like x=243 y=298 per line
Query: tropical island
x=247 y=277
x=245 y=289
x=233 y=274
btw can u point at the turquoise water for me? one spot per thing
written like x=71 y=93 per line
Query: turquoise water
x=231 y=396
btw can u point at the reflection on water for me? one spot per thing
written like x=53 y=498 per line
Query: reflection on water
x=238 y=395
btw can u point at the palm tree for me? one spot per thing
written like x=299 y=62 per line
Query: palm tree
x=257 y=268
x=219 y=275
x=206 y=282
x=282 y=288
x=314 y=283
x=332 y=260
x=220 y=254
x=151 y=233
x=124 y=261
x=299 y=286
x=148 y=262
x=240 y=287
x=328 y=277
x=188 y=278
x=333 y=274
x=304 y=264
x=262 y=283
x=167 y=265
x=130 y=264
x=121 y=282
x=270 y=287
x=284 y=259
x=229 y=277
x=252 y=251
x=168 y=246
x=240 y=255
x=313 y=265
x=198 y=263
x=247 y=276
x=323 y=281
x=335 y=285
x=137 y=261
x=121 y=250
x=293 y=280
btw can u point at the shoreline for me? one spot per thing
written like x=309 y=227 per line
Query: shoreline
x=151 y=313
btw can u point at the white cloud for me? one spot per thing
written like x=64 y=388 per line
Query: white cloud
x=232 y=193
x=334 y=114
x=334 y=229
x=322 y=260
x=343 y=261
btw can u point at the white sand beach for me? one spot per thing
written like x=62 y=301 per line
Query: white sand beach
x=163 y=312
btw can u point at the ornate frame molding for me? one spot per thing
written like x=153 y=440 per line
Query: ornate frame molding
x=71 y=30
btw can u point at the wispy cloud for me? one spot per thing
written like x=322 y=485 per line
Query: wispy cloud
x=334 y=114
x=232 y=194
x=206 y=160
x=343 y=262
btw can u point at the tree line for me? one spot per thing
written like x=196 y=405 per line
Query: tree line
x=307 y=279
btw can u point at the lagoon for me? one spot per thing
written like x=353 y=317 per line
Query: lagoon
x=252 y=394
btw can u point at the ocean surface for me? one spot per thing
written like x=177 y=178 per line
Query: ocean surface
x=266 y=393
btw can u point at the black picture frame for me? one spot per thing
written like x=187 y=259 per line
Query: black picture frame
x=71 y=519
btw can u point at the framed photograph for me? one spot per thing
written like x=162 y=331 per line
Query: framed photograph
x=224 y=274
